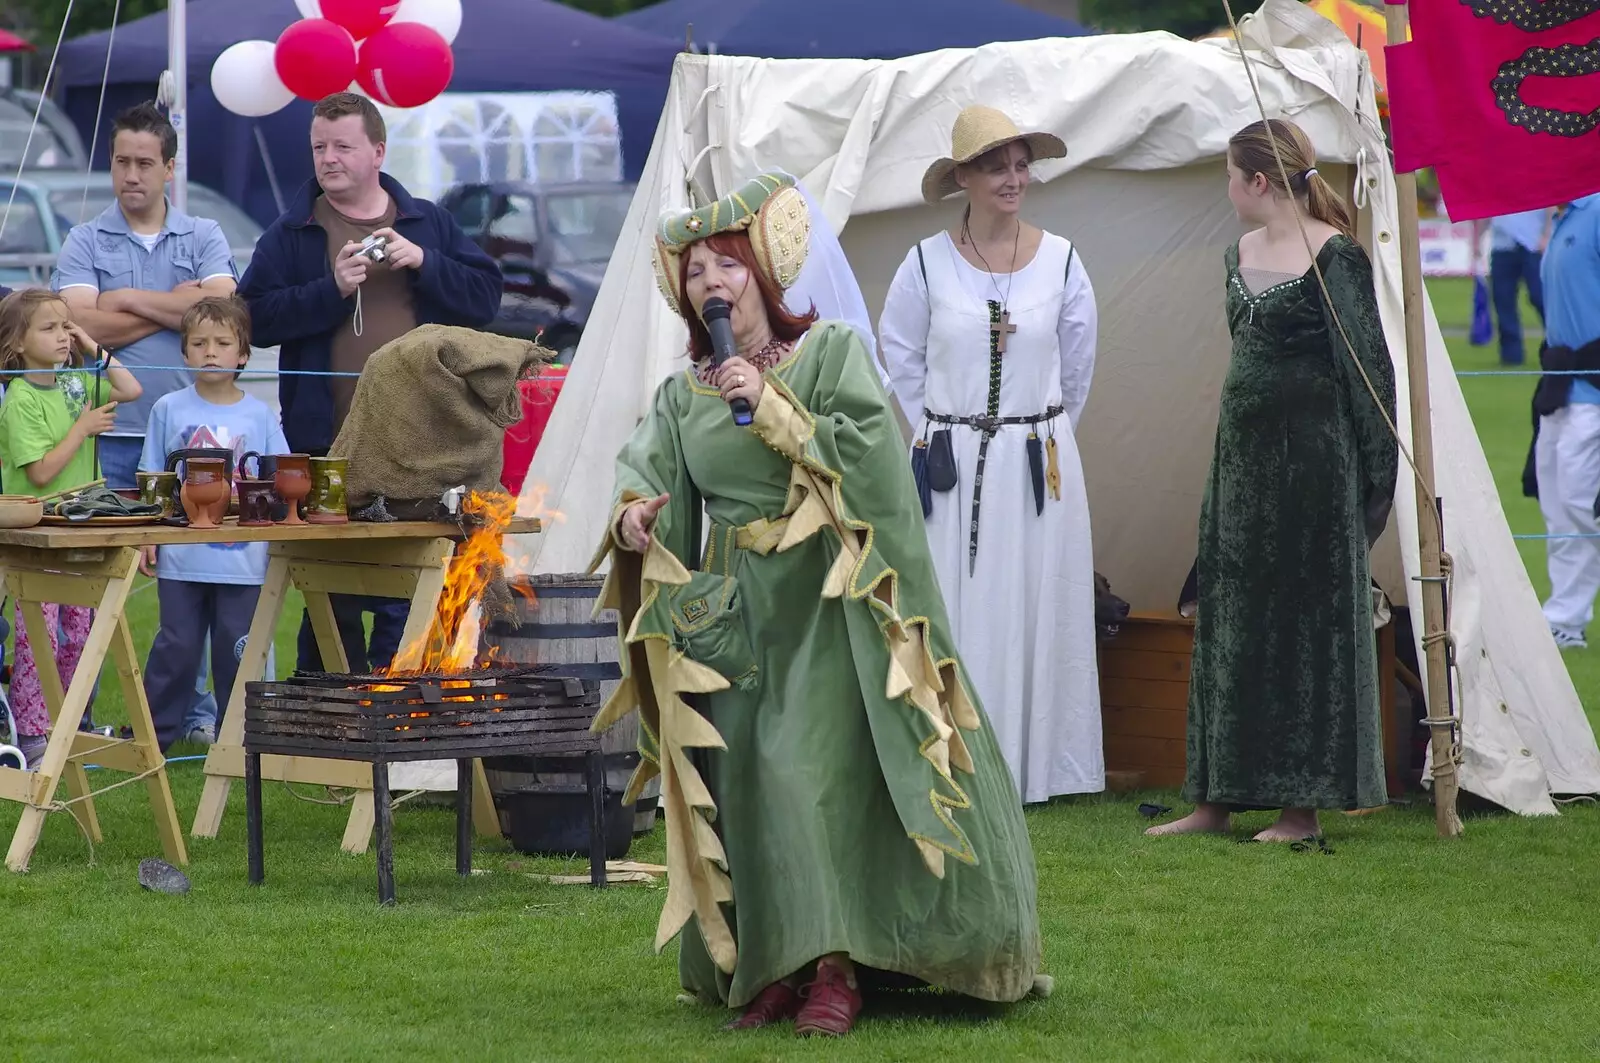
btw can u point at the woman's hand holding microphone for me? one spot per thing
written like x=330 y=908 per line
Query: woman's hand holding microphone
x=738 y=379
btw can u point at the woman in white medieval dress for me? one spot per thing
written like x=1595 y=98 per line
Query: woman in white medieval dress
x=989 y=336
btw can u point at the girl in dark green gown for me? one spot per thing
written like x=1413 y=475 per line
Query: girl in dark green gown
x=1283 y=691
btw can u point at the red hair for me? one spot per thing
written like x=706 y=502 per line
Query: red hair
x=786 y=325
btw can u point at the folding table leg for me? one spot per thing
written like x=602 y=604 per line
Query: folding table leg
x=102 y=583
x=252 y=667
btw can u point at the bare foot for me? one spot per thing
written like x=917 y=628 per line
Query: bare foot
x=1295 y=824
x=1205 y=819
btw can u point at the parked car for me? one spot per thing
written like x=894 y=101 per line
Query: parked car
x=552 y=243
x=46 y=204
x=51 y=143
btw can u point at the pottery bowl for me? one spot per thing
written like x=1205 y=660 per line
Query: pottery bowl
x=20 y=511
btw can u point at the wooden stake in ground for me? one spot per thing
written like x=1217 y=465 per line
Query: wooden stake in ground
x=1429 y=534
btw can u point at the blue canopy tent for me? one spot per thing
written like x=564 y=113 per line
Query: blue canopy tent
x=503 y=46
x=846 y=29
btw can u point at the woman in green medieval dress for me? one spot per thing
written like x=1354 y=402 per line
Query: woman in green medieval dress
x=1283 y=693
x=834 y=797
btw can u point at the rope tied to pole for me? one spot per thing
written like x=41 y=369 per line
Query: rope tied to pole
x=57 y=805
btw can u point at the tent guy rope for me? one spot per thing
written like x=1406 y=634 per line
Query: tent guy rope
x=38 y=109
x=99 y=110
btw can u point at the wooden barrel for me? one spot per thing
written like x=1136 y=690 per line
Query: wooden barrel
x=555 y=624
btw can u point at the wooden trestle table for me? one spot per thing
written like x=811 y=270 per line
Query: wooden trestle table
x=97 y=567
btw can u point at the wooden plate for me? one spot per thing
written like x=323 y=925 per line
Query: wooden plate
x=97 y=522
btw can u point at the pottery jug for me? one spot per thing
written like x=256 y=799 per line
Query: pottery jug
x=327 y=505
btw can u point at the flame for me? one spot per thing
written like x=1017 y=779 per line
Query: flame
x=453 y=638
x=531 y=505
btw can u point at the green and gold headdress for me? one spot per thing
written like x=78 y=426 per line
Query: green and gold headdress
x=770 y=208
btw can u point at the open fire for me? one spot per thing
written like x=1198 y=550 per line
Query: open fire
x=452 y=642
x=451 y=645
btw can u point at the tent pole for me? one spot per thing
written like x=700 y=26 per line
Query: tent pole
x=1429 y=533
x=178 y=106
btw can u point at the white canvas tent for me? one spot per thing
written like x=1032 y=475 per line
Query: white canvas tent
x=1142 y=193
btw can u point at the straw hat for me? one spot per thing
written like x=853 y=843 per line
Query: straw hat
x=979 y=130
x=769 y=208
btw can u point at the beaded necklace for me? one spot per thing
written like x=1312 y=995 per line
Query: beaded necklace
x=764 y=359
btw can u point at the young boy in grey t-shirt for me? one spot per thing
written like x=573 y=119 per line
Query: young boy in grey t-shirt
x=205 y=588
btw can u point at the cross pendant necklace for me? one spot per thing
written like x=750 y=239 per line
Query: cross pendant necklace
x=1001 y=329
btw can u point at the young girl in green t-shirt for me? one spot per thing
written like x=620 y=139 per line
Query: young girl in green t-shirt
x=54 y=406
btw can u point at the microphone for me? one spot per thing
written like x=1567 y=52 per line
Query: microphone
x=715 y=313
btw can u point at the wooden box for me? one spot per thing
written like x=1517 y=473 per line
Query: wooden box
x=1144 y=697
x=1144 y=701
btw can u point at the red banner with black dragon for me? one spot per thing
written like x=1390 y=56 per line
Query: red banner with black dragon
x=1502 y=98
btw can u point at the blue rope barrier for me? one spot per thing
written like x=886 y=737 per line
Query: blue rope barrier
x=247 y=371
x=1570 y=535
x=170 y=760
x=1524 y=372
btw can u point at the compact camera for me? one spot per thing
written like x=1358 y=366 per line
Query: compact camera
x=374 y=248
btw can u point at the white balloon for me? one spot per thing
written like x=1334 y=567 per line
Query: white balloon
x=443 y=16
x=309 y=8
x=245 y=80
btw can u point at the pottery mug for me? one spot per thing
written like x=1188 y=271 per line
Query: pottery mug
x=266 y=469
x=222 y=454
x=255 y=503
x=327 y=502
x=159 y=489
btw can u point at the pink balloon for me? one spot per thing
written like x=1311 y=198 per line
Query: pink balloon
x=315 y=58
x=362 y=18
x=405 y=64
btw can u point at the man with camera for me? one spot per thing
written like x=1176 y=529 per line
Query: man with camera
x=355 y=262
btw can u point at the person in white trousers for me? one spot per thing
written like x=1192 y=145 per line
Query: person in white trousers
x=1567 y=449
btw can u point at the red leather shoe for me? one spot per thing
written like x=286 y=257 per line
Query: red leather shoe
x=831 y=1004
x=777 y=1002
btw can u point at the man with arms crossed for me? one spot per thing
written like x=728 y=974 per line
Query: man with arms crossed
x=129 y=276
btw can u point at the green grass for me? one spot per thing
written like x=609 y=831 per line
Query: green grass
x=1394 y=947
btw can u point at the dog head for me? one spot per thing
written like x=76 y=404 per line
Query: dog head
x=1109 y=610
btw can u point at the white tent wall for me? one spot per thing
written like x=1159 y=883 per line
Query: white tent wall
x=1142 y=194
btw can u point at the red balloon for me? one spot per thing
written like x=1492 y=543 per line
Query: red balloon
x=362 y=18
x=405 y=64
x=315 y=58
